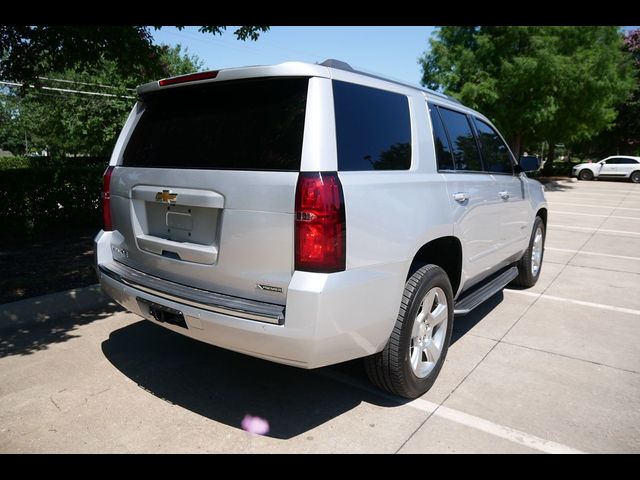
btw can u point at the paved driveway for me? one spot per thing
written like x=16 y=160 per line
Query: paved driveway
x=555 y=368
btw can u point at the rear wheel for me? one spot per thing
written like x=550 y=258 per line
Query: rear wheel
x=585 y=174
x=411 y=360
x=635 y=176
x=530 y=264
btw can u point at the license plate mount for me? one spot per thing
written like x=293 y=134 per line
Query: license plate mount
x=162 y=313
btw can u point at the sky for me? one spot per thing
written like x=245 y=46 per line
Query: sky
x=390 y=51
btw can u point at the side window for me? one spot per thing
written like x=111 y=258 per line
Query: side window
x=463 y=143
x=373 y=128
x=625 y=161
x=443 y=151
x=613 y=161
x=495 y=153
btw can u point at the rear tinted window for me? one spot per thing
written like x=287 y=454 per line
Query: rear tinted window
x=465 y=149
x=373 y=128
x=443 y=152
x=245 y=125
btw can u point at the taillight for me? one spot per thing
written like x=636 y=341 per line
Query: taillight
x=192 y=77
x=320 y=233
x=106 y=199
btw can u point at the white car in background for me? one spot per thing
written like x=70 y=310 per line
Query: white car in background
x=620 y=166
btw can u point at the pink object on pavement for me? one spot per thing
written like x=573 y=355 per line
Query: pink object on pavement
x=255 y=425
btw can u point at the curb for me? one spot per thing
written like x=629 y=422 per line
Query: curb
x=52 y=306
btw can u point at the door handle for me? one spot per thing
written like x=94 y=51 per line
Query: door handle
x=461 y=197
x=504 y=195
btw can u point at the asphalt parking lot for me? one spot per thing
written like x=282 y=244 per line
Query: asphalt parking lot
x=555 y=369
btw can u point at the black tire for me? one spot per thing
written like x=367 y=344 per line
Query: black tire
x=635 y=176
x=585 y=174
x=391 y=369
x=526 y=278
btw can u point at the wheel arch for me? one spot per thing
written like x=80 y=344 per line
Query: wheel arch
x=446 y=252
x=542 y=213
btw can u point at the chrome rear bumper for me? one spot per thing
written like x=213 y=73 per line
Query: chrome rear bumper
x=195 y=297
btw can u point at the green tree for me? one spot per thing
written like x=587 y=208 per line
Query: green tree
x=534 y=82
x=624 y=137
x=12 y=135
x=29 y=52
x=176 y=62
x=76 y=121
x=629 y=120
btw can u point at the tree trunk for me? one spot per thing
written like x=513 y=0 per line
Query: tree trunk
x=516 y=145
x=548 y=165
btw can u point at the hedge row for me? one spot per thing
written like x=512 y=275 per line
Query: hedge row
x=9 y=162
x=35 y=200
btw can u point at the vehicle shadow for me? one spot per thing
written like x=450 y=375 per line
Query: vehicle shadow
x=462 y=324
x=554 y=185
x=225 y=386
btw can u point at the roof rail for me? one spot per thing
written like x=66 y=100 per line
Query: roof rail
x=340 y=65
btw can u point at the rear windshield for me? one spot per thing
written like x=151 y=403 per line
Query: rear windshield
x=241 y=125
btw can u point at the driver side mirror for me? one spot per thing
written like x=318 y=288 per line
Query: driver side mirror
x=529 y=163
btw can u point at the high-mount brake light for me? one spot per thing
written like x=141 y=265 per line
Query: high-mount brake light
x=192 y=77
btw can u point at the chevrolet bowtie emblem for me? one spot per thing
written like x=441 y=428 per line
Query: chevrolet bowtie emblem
x=166 y=196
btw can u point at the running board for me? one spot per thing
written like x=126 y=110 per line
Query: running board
x=475 y=298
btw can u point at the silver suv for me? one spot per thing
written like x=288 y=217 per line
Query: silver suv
x=312 y=214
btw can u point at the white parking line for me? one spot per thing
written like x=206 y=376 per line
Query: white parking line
x=513 y=435
x=555 y=212
x=593 y=229
x=596 y=206
x=582 y=252
x=601 y=191
x=575 y=302
x=487 y=426
x=620 y=194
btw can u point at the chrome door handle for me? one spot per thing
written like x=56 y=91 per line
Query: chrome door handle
x=461 y=197
x=504 y=195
